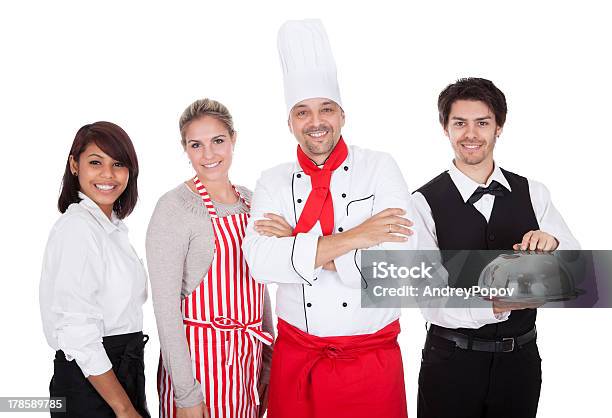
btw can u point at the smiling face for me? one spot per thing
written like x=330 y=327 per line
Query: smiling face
x=101 y=178
x=209 y=147
x=316 y=124
x=472 y=131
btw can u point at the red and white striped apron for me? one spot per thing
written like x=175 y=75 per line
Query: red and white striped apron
x=223 y=326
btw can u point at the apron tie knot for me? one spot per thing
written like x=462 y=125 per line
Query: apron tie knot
x=334 y=352
x=231 y=325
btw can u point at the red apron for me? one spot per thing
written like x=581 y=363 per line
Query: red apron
x=222 y=318
x=333 y=377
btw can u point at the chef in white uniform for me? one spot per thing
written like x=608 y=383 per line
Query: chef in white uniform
x=309 y=241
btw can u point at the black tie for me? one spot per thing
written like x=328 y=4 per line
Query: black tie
x=494 y=188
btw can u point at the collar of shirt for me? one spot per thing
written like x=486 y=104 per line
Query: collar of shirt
x=109 y=225
x=467 y=186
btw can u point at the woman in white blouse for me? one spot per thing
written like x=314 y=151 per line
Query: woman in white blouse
x=93 y=284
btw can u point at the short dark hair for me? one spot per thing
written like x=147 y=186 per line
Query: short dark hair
x=113 y=140
x=477 y=89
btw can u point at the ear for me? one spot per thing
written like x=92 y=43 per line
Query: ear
x=498 y=131
x=446 y=133
x=233 y=139
x=74 y=166
x=343 y=119
x=289 y=125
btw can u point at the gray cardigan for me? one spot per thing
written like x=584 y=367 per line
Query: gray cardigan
x=180 y=246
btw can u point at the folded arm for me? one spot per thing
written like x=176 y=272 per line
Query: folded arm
x=286 y=259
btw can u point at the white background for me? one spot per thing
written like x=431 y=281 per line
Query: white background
x=139 y=65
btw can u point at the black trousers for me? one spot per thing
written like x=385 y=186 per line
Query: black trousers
x=457 y=383
x=126 y=353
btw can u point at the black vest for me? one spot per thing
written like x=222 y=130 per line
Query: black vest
x=459 y=226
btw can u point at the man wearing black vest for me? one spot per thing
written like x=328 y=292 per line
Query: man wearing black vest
x=482 y=360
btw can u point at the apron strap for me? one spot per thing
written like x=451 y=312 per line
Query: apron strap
x=208 y=201
x=130 y=372
x=132 y=351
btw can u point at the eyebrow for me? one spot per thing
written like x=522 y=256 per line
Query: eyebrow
x=200 y=140
x=464 y=119
x=95 y=155
x=303 y=106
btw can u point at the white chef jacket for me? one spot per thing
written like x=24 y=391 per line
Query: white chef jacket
x=92 y=285
x=318 y=301
x=479 y=312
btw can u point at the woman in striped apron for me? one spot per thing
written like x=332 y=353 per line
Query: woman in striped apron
x=209 y=311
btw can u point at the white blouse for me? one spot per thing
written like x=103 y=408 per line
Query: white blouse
x=92 y=285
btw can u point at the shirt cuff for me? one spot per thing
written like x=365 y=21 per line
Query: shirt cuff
x=482 y=313
x=94 y=363
x=303 y=256
x=191 y=397
x=83 y=343
x=348 y=270
x=567 y=244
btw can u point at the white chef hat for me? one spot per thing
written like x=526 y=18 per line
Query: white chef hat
x=309 y=69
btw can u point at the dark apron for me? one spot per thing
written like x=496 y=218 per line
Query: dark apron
x=126 y=353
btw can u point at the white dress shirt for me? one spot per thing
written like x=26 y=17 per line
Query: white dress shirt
x=317 y=301
x=479 y=312
x=92 y=285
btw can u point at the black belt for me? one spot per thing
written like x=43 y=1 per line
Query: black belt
x=465 y=342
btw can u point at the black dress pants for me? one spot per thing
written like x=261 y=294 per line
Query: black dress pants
x=457 y=383
x=126 y=353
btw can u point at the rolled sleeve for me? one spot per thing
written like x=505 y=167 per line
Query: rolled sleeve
x=97 y=363
x=83 y=343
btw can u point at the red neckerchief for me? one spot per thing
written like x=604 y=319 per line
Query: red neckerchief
x=319 y=205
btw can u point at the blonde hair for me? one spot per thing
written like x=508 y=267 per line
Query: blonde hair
x=205 y=107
